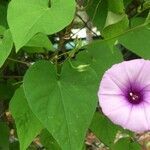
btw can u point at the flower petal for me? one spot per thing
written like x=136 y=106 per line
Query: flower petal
x=116 y=85
x=111 y=103
x=134 y=69
x=120 y=115
x=147 y=113
x=143 y=77
x=118 y=74
x=109 y=86
x=137 y=120
x=146 y=96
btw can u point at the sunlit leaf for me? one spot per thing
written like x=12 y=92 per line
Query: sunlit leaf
x=37 y=16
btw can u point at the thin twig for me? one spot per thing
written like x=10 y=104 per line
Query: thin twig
x=12 y=76
x=22 y=62
x=86 y=25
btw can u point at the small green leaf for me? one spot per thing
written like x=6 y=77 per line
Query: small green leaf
x=28 y=126
x=28 y=17
x=97 y=11
x=96 y=55
x=115 y=24
x=40 y=40
x=40 y=43
x=137 y=41
x=116 y=6
x=4 y=136
x=126 y=144
x=117 y=21
x=48 y=141
x=104 y=129
x=6 y=45
x=65 y=106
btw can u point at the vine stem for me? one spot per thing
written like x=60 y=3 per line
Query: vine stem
x=19 y=82
x=127 y=31
x=22 y=62
x=12 y=77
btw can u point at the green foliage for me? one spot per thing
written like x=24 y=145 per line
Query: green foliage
x=116 y=21
x=3 y=14
x=116 y=6
x=52 y=91
x=6 y=91
x=104 y=129
x=58 y=102
x=4 y=136
x=127 y=2
x=126 y=144
x=96 y=54
x=115 y=24
x=6 y=44
x=36 y=16
x=137 y=41
x=108 y=16
x=38 y=44
x=40 y=40
x=14 y=146
x=28 y=126
x=48 y=141
x=97 y=11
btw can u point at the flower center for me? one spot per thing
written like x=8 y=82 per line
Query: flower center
x=134 y=97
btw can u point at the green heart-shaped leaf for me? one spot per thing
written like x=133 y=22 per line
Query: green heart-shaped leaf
x=65 y=106
x=28 y=17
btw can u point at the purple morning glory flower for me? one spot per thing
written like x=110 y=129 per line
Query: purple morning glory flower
x=124 y=94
